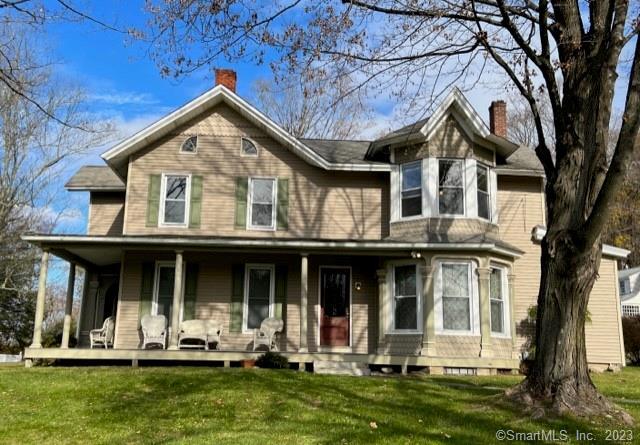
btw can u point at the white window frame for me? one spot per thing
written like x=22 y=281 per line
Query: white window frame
x=250 y=225
x=488 y=192
x=464 y=189
x=156 y=287
x=163 y=198
x=625 y=285
x=506 y=309
x=391 y=322
x=242 y=153
x=272 y=292
x=474 y=305
x=421 y=188
x=182 y=151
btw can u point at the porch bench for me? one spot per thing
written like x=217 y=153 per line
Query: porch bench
x=205 y=331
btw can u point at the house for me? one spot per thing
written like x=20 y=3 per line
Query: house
x=629 y=280
x=420 y=248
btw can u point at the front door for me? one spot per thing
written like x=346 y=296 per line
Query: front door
x=335 y=299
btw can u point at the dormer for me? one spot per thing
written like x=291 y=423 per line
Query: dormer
x=443 y=170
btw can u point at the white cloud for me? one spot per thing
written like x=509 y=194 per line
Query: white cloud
x=124 y=98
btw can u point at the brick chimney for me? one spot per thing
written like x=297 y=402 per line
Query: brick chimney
x=227 y=78
x=498 y=118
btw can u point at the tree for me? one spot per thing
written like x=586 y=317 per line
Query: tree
x=319 y=109
x=34 y=149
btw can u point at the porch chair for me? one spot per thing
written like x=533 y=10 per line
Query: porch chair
x=266 y=335
x=192 y=330
x=214 y=333
x=154 y=330
x=104 y=335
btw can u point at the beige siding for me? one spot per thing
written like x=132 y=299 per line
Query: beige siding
x=417 y=228
x=322 y=204
x=106 y=213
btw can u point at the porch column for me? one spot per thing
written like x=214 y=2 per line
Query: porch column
x=515 y=353
x=42 y=288
x=177 y=298
x=382 y=298
x=68 y=306
x=484 y=273
x=429 y=326
x=304 y=293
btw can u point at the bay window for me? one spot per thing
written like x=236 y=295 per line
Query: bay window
x=411 y=180
x=482 y=175
x=498 y=292
x=406 y=298
x=450 y=187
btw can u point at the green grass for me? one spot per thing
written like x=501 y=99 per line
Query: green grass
x=238 y=406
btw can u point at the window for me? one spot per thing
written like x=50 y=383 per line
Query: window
x=175 y=198
x=259 y=295
x=190 y=145
x=262 y=196
x=482 y=174
x=498 y=303
x=451 y=187
x=405 y=298
x=625 y=286
x=411 y=193
x=630 y=310
x=249 y=148
x=163 y=290
x=456 y=297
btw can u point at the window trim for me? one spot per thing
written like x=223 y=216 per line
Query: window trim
x=391 y=322
x=506 y=307
x=463 y=186
x=156 y=287
x=480 y=165
x=420 y=188
x=474 y=304
x=247 y=155
x=272 y=292
x=163 y=198
x=274 y=222
x=182 y=151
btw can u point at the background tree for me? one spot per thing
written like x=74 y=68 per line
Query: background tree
x=574 y=53
x=34 y=149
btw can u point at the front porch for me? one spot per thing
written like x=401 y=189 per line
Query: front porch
x=124 y=278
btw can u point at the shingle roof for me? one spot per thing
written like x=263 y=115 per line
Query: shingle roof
x=339 y=151
x=407 y=130
x=524 y=158
x=455 y=238
x=624 y=273
x=95 y=177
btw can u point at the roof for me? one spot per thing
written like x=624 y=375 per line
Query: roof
x=117 y=157
x=625 y=273
x=459 y=239
x=523 y=159
x=339 y=151
x=539 y=231
x=407 y=130
x=95 y=178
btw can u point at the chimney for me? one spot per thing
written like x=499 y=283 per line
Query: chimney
x=498 y=118
x=226 y=78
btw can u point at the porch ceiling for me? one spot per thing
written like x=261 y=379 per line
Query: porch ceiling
x=105 y=250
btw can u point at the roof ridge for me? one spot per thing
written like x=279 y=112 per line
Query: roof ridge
x=335 y=140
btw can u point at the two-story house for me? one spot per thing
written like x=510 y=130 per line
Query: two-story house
x=420 y=248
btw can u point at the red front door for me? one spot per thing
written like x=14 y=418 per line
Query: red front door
x=335 y=299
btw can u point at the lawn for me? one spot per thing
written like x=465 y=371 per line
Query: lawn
x=194 y=405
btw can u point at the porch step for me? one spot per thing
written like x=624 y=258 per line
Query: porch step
x=340 y=368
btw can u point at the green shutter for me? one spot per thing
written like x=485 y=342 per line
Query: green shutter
x=146 y=290
x=283 y=204
x=190 y=291
x=153 y=201
x=237 y=297
x=281 y=292
x=242 y=183
x=195 y=206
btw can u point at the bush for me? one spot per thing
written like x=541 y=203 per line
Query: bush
x=631 y=332
x=272 y=360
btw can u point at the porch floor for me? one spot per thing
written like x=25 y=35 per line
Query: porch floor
x=294 y=357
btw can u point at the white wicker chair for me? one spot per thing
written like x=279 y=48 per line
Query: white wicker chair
x=193 y=330
x=266 y=335
x=154 y=330
x=103 y=336
x=214 y=333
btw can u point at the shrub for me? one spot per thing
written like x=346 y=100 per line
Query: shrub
x=272 y=360
x=631 y=332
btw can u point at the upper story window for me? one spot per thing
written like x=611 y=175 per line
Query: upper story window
x=175 y=198
x=406 y=298
x=190 y=145
x=411 y=180
x=249 y=148
x=625 y=286
x=262 y=200
x=499 y=302
x=484 y=202
x=451 y=187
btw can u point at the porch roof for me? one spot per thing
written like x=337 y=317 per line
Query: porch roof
x=105 y=250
